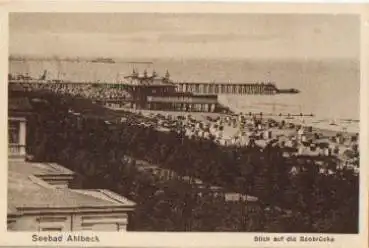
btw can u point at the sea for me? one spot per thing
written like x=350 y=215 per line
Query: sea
x=329 y=89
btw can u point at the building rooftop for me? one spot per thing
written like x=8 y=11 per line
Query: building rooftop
x=149 y=82
x=26 y=191
x=12 y=210
x=28 y=168
x=145 y=79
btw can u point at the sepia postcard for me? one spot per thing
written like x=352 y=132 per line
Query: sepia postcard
x=184 y=124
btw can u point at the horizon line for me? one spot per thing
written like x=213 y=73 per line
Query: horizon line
x=146 y=60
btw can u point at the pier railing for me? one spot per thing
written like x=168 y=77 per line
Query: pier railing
x=228 y=88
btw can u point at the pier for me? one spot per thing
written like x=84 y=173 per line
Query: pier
x=227 y=88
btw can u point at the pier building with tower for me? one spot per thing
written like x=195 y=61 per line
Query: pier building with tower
x=161 y=93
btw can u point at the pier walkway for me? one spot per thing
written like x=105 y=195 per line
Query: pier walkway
x=227 y=88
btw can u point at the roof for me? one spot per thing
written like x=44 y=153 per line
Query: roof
x=149 y=80
x=26 y=191
x=28 y=168
x=12 y=210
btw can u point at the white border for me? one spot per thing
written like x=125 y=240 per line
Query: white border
x=190 y=239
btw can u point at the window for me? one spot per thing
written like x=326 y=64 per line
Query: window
x=13 y=132
x=53 y=223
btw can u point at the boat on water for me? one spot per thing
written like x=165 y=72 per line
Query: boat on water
x=103 y=60
x=333 y=123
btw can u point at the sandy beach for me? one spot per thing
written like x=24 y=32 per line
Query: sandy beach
x=324 y=128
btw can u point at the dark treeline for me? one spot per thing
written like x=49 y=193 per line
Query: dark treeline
x=86 y=144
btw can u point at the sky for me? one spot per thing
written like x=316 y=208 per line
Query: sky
x=183 y=36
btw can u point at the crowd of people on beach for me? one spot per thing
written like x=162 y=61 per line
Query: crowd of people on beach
x=89 y=91
x=240 y=130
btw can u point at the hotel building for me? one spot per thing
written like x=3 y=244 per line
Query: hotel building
x=40 y=196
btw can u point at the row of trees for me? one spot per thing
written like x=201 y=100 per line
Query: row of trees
x=98 y=151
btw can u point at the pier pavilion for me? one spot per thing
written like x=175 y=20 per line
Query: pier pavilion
x=160 y=93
